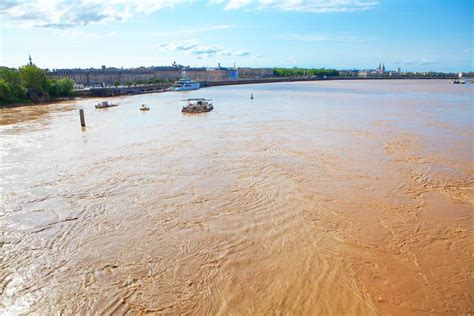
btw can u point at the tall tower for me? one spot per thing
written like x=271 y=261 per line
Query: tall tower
x=383 y=68
x=30 y=61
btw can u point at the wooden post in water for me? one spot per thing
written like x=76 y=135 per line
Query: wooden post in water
x=83 y=121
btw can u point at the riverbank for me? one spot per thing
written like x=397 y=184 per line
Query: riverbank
x=90 y=94
x=297 y=79
x=31 y=103
x=111 y=92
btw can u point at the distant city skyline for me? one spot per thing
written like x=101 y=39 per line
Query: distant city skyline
x=413 y=35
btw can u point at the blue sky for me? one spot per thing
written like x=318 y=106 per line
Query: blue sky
x=416 y=35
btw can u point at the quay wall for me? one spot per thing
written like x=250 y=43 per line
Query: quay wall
x=296 y=79
x=162 y=87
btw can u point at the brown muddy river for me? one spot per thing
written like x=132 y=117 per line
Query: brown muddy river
x=315 y=198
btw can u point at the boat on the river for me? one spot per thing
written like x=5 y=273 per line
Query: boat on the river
x=144 y=107
x=185 y=84
x=197 y=105
x=457 y=81
x=104 y=105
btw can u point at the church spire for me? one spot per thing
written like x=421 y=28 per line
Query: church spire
x=30 y=61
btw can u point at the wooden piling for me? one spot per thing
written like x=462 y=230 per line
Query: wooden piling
x=81 y=115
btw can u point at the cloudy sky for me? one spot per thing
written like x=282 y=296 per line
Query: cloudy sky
x=411 y=34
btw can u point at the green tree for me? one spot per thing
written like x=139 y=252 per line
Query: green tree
x=53 y=88
x=6 y=94
x=60 y=88
x=34 y=78
x=14 y=84
x=66 y=87
x=116 y=83
x=299 y=72
x=12 y=87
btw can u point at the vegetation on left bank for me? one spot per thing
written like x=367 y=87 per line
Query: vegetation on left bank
x=30 y=84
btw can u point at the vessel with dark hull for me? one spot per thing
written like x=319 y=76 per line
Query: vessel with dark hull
x=197 y=105
x=105 y=105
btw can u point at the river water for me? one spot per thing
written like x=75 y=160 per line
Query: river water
x=337 y=197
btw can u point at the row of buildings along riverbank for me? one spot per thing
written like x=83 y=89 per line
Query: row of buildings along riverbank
x=111 y=75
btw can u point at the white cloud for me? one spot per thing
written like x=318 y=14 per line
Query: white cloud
x=316 y=6
x=237 y=4
x=71 y=13
x=241 y=53
x=202 y=51
x=66 y=14
x=150 y=6
x=179 y=45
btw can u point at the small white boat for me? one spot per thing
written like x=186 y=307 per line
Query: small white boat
x=458 y=81
x=197 y=105
x=104 y=105
x=143 y=107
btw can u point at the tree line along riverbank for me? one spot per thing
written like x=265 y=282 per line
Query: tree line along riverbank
x=29 y=84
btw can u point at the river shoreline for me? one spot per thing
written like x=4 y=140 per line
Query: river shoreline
x=124 y=91
x=31 y=103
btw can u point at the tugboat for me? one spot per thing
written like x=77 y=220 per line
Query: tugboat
x=104 y=105
x=143 y=107
x=197 y=105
